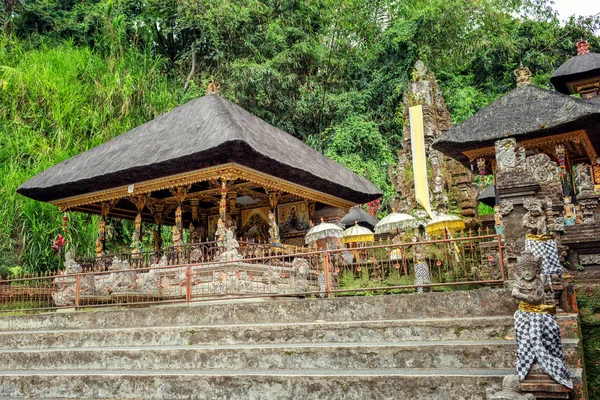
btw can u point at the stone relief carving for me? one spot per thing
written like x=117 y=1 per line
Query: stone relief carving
x=505 y=207
x=505 y=154
x=542 y=168
x=583 y=179
x=589 y=259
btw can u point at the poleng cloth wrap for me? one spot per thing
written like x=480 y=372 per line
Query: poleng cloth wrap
x=545 y=246
x=538 y=339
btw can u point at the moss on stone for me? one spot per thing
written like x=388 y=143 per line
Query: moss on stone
x=588 y=300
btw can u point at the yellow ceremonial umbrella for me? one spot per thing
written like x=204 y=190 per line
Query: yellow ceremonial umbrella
x=357 y=234
x=443 y=223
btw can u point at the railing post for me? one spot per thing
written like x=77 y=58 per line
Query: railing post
x=188 y=282
x=77 y=290
x=501 y=257
x=326 y=266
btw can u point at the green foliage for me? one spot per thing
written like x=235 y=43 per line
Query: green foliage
x=588 y=300
x=58 y=101
x=358 y=145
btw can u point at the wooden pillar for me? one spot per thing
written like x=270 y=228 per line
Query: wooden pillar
x=180 y=193
x=140 y=202
x=204 y=225
x=223 y=202
x=312 y=206
x=158 y=212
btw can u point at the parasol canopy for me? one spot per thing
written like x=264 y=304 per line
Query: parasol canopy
x=359 y=215
x=396 y=221
x=322 y=231
x=444 y=223
x=357 y=234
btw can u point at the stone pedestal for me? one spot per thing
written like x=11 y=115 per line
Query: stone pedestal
x=514 y=187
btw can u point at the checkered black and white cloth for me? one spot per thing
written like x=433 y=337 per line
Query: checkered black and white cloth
x=421 y=275
x=548 y=250
x=538 y=339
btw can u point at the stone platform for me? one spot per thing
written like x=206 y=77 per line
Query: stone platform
x=419 y=346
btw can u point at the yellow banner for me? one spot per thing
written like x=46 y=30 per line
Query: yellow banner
x=417 y=139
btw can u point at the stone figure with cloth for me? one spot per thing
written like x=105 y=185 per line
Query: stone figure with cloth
x=540 y=238
x=536 y=328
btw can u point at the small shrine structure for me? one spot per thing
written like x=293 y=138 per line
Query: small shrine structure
x=208 y=166
x=541 y=145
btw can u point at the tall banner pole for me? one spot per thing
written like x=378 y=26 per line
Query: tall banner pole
x=419 y=158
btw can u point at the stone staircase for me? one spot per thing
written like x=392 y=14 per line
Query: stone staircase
x=429 y=346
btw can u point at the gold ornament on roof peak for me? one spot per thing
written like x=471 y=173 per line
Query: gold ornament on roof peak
x=523 y=75
x=213 y=88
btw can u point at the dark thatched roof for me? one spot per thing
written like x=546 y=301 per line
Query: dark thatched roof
x=526 y=112
x=576 y=68
x=359 y=215
x=204 y=132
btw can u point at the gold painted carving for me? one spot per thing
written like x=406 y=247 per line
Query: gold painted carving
x=205 y=174
x=579 y=137
x=180 y=192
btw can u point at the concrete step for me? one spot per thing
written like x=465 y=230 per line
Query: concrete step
x=485 y=328
x=482 y=328
x=476 y=303
x=430 y=384
x=334 y=356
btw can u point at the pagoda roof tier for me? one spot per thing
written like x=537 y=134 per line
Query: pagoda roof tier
x=576 y=71
x=200 y=140
x=525 y=113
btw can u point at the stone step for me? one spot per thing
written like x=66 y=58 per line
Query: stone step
x=482 y=328
x=430 y=384
x=485 y=328
x=334 y=356
x=476 y=303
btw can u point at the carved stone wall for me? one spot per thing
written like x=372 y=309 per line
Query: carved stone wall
x=450 y=184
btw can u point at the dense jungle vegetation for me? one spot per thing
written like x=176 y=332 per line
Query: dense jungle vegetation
x=74 y=74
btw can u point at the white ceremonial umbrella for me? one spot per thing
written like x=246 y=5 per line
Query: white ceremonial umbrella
x=396 y=222
x=322 y=231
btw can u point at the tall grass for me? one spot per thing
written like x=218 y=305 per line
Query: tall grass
x=56 y=101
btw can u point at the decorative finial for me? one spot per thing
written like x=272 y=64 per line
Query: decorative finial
x=523 y=75
x=583 y=47
x=212 y=88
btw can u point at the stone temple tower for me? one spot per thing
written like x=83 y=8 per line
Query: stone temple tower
x=450 y=184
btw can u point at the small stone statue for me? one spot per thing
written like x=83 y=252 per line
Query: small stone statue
x=583 y=179
x=71 y=266
x=535 y=218
x=511 y=390
x=231 y=248
x=536 y=328
x=421 y=266
x=539 y=240
x=194 y=237
x=220 y=233
x=273 y=231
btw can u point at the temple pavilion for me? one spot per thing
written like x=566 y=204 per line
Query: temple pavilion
x=206 y=160
x=541 y=144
